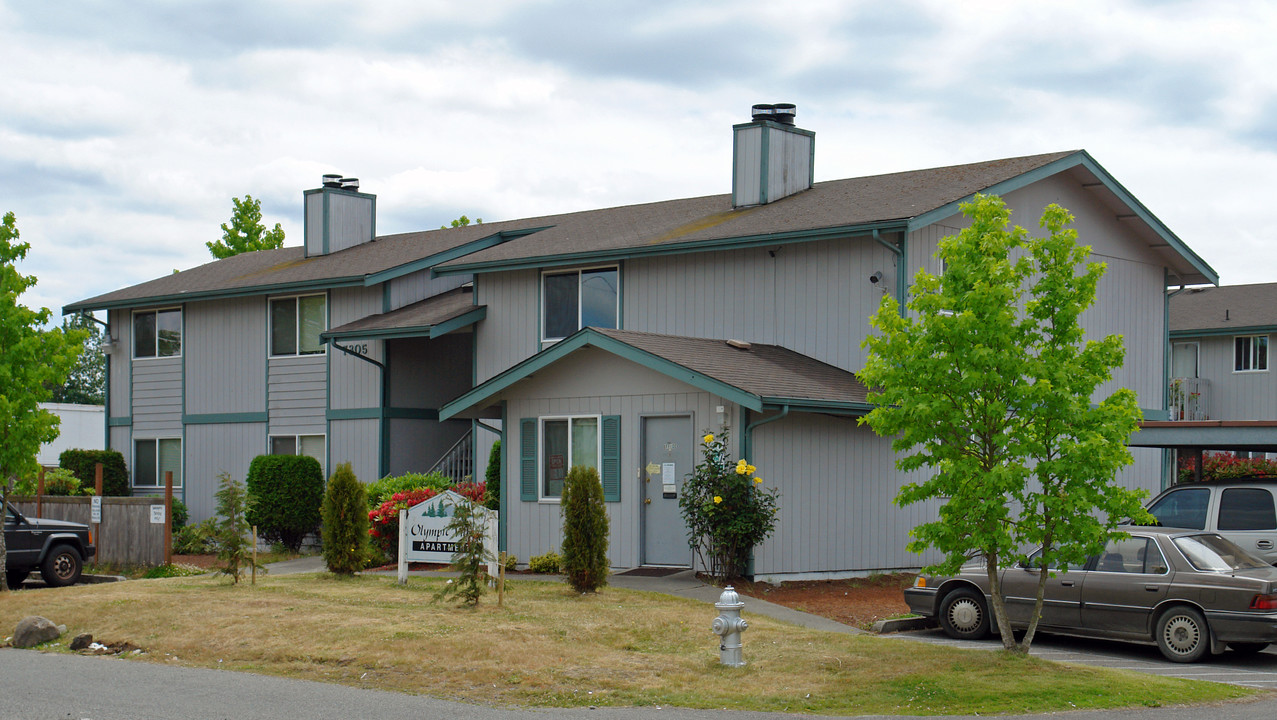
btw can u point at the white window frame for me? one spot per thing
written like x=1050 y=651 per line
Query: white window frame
x=1252 y=356
x=181 y=342
x=297 y=320
x=1197 y=356
x=598 y=450
x=158 y=480
x=578 y=271
x=297 y=443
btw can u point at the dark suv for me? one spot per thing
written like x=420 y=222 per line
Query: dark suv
x=56 y=547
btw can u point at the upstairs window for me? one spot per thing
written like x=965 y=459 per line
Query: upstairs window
x=157 y=333
x=1250 y=353
x=575 y=299
x=296 y=323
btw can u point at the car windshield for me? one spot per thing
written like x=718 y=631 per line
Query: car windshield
x=1214 y=553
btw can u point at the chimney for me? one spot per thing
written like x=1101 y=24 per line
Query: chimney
x=338 y=216
x=771 y=158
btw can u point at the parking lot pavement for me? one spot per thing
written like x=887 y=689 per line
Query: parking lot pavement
x=1256 y=671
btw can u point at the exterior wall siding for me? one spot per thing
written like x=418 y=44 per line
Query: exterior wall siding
x=314 y=223
x=225 y=347
x=350 y=221
x=789 y=168
x=212 y=450
x=297 y=393
x=418 y=286
x=510 y=332
x=354 y=382
x=157 y=397
x=355 y=442
x=121 y=375
x=1234 y=395
x=747 y=167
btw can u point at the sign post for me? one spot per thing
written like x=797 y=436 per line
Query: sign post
x=403 y=547
x=168 y=512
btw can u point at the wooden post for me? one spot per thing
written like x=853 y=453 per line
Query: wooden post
x=168 y=517
x=501 y=581
x=39 y=493
x=254 y=555
x=97 y=490
x=403 y=547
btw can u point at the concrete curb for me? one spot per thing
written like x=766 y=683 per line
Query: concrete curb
x=903 y=625
x=95 y=579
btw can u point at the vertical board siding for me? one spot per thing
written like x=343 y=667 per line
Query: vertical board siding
x=356 y=442
x=509 y=333
x=212 y=450
x=350 y=221
x=315 y=224
x=297 y=394
x=355 y=383
x=789 y=167
x=126 y=535
x=225 y=348
x=418 y=286
x=157 y=395
x=121 y=328
x=1234 y=395
x=748 y=165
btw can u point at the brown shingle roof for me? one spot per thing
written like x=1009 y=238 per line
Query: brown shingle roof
x=420 y=315
x=1221 y=308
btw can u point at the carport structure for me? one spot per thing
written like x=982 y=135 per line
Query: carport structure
x=1191 y=438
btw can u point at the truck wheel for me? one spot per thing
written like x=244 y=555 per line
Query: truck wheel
x=14 y=578
x=963 y=615
x=61 y=567
x=1183 y=635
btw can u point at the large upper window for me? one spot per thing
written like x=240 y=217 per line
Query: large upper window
x=1250 y=352
x=153 y=458
x=296 y=323
x=157 y=333
x=566 y=442
x=575 y=299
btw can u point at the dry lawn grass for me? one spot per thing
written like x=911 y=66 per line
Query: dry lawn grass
x=549 y=647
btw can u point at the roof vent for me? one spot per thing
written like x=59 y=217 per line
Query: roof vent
x=739 y=344
x=350 y=183
x=332 y=181
x=782 y=113
x=762 y=111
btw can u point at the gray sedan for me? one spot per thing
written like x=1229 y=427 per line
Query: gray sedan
x=1191 y=592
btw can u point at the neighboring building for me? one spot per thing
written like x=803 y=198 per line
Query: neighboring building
x=614 y=338
x=80 y=428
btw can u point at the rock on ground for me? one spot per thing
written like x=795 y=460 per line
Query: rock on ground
x=34 y=630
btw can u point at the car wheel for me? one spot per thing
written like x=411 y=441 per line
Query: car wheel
x=61 y=567
x=14 y=578
x=1182 y=635
x=963 y=615
x=1247 y=648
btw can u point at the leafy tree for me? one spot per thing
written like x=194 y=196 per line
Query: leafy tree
x=31 y=360
x=234 y=549
x=492 y=478
x=86 y=383
x=585 y=529
x=345 y=531
x=461 y=222
x=245 y=232
x=988 y=382
x=470 y=555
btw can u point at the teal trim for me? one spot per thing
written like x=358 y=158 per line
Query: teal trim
x=1223 y=332
x=106 y=398
x=385 y=296
x=1083 y=159
x=265 y=310
x=902 y=271
x=430 y=261
x=776 y=125
x=764 y=155
x=185 y=338
x=811 y=160
x=464 y=320
x=505 y=500
x=610 y=463
x=353 y=414
x=592 y=338
x=620 y=295
x=831 y=407
x=747 y=440
x=735 y=159
x=220 y=418
x=399 y=413
x=528 y=460
x=328 y=410
x=618 y=254
x=125 y=421
x=246 y=291
x=1155 y=413
x=383 y=426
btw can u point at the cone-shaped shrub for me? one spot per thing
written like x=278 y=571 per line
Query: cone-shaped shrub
x=585 y=530
x=345 y=532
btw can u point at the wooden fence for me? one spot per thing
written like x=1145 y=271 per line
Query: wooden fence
x=126 y=535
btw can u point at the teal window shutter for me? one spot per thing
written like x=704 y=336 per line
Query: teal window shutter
x=611 y=461
x=528 y=459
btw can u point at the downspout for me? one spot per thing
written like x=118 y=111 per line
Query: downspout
x=902 y=272
x=747 y=441
x=383 y=450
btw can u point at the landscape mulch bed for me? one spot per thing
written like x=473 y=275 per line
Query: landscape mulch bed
x=859 y=602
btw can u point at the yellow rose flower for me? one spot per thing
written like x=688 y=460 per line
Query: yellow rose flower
x=717 y=499
x=708 y=438
x=751 y=469
x=758 y=481
x=742 y=467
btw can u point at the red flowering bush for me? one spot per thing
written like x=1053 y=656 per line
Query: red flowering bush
x=1225 y=466
x=384 y=519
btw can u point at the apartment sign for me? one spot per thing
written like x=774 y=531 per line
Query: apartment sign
x=427 y=526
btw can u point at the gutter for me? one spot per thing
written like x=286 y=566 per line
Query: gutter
x=747 y=441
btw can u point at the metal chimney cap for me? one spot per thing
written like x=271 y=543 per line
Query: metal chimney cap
x=350 y=183
x=762 y=111
x=784 y=113
x=332 y=180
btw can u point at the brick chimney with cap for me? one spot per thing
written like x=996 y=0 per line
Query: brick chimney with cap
x=771 y=158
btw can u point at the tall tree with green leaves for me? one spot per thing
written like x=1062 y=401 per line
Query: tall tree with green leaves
x=988 y=382
x=31 y=360
x=86 y=383
x=245 y=232
x=462 y=221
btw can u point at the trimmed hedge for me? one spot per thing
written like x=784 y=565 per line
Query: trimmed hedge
x=285 y=493
x=115 y=476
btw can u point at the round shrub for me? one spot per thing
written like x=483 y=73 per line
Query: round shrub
x=391 y=485
x=547 y=563
x=115 y=476
x=345 y=516
x=285 y=493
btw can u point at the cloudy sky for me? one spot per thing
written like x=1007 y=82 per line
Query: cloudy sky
x=126 y=128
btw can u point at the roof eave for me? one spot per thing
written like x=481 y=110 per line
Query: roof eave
x=185 y=297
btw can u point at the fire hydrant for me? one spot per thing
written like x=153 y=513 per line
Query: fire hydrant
x=728 y=626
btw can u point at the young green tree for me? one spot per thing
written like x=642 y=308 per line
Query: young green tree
x=988 y=382
x=31 y=360
x=234 y=549
x=469 y=556
x=345 y=529
x=245 y=232
x=86 y=383
x=492 y=478
x=585 y=529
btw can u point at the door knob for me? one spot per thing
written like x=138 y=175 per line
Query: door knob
x=647 y=501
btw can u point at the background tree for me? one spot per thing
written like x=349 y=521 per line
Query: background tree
x=245 y=232
x=345 y=529
x=86 y=383
x=31 y=360
x=461 y=222
x=492 y=478
x=585 y=529
x=987 y=382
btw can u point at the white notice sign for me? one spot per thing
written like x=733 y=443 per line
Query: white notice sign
x=428 y=539
x=667 y=477
x=95 y=509
x=157 y=514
